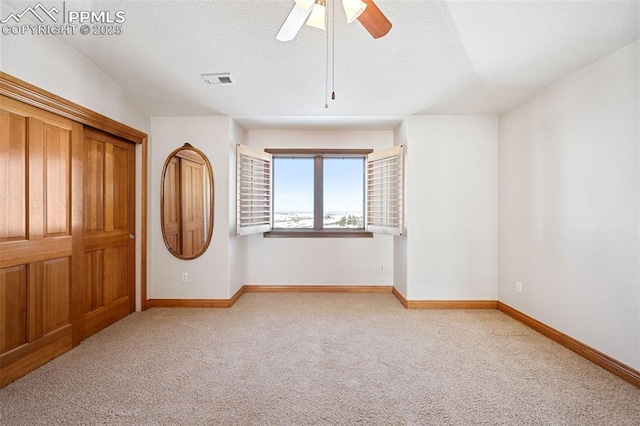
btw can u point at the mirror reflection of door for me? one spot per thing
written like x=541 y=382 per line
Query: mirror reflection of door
x=187 y=202
x=193 y=188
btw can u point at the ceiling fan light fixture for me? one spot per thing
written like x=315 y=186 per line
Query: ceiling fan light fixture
x=305 y=4
x=353 y=9
x=318 y=15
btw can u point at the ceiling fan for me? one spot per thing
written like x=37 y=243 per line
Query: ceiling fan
x=313 y=12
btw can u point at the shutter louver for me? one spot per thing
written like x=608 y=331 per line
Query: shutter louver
x=385 y=191
x=253 y=191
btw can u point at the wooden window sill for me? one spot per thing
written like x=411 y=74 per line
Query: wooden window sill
x=310 y=233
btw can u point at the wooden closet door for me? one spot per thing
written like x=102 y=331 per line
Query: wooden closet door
x=109 y=226
x=40 y=237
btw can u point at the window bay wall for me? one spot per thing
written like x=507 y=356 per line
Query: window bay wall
x=319 y=261
x=450 y=249
x=217 y=274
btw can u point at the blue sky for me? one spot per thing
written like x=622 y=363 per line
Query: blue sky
x=293 y=184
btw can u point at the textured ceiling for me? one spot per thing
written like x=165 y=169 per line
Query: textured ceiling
x=440 y=57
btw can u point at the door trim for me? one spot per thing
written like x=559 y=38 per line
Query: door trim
x=29 y=94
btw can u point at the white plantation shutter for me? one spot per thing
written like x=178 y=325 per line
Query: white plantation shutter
x=253 y=191
x=385 y=191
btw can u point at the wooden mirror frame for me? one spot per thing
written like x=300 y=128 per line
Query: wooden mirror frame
x=207 y=215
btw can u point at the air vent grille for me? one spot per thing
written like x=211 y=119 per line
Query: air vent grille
x=220 y=78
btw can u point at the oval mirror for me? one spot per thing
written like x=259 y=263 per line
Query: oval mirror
x=187 y=202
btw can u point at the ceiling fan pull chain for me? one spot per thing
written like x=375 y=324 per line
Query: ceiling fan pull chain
x=326 y=79
x=333 y=50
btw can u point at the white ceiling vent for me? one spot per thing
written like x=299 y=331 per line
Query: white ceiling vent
x=222 y=78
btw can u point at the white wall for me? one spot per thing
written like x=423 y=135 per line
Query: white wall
x=319 y=261
x=400 y=254
x=50 y=64
x=236 y=244
x=452 y=207
x=209 y=273
x=569 y=216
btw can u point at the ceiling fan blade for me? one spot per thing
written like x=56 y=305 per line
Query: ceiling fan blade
x=296 y=19
x=374 y=21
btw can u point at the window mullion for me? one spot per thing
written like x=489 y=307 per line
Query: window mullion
x=318 y=199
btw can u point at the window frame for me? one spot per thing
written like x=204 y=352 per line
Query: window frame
x=319 y=231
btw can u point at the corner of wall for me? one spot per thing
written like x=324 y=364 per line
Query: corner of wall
x=237 y=135
x=400 y=137
x=452 y=175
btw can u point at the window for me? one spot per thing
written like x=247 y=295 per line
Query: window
x=343 y=193
x=320 y=193
x=293 y=193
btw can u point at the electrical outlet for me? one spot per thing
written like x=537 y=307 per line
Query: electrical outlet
x=381 y=268
x=518 y=287
x=185 y=277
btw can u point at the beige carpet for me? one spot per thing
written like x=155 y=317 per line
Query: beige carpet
x=319 y=359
